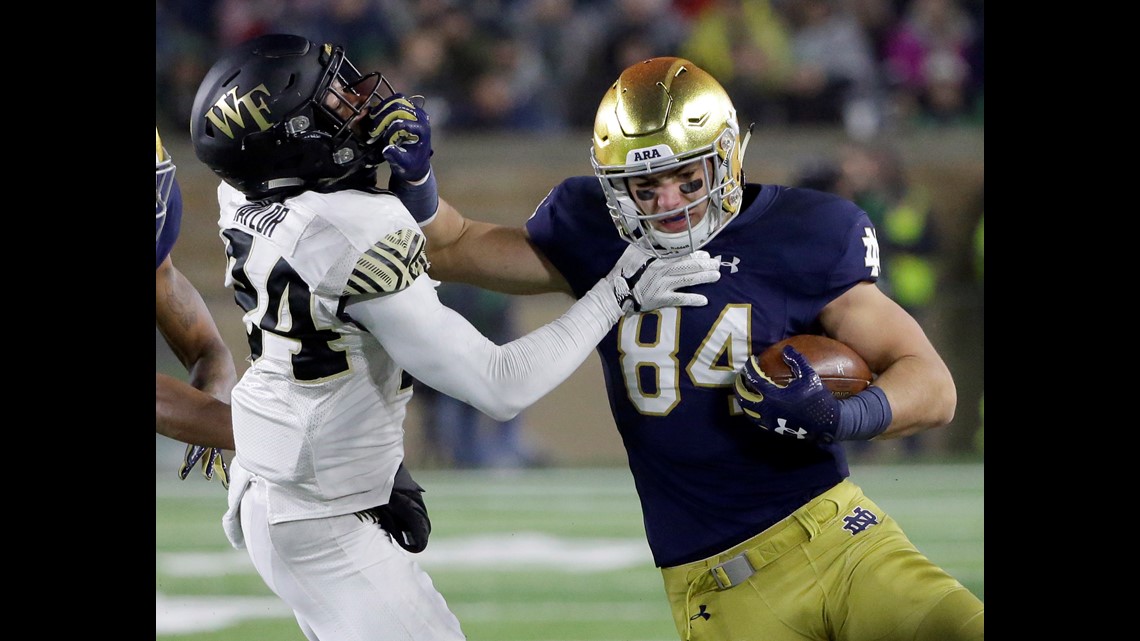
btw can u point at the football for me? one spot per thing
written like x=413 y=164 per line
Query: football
x=842 y=370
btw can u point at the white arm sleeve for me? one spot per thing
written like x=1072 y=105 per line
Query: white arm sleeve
x=442 y=349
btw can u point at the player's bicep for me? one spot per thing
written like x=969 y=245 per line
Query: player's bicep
x=875 y=326
x=389 y=293
x=430 y=341
x=908 y=369
x=390 y=265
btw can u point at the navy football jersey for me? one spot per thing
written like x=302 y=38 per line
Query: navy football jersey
x=171 y=227
x=708 y=477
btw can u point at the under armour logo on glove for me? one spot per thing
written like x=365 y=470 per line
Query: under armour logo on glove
x=783 y=430
x=804 y=409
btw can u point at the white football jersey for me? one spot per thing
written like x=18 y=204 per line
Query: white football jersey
x=319 y=413
x=338 y=304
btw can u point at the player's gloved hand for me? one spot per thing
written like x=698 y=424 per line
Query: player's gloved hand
x=405 y=515
x=804 y=409
x=401 y=126
x=213 y=461
x=643 y=283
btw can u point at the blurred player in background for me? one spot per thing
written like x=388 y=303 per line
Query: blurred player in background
x=744 y=485
x=331 y=274
x=196 y=413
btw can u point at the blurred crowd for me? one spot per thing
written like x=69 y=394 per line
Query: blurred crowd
x=870 y=66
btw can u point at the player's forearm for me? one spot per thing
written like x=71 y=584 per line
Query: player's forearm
x=916 y=380
x=214 y=372
x=490 y=256
x=189 y=415
x=921 y=393
x=528 y=368
x=437 y=346
x=917 y=383
x=190 y=331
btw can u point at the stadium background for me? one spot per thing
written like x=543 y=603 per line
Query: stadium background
x=558 y=553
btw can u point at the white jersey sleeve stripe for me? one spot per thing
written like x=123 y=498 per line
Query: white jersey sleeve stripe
x=390 y=265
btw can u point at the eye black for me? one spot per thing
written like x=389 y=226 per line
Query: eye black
x=691 y=187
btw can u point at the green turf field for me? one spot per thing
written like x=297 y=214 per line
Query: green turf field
x=549 y=555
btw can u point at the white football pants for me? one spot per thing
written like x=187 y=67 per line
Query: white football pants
x=345 y=579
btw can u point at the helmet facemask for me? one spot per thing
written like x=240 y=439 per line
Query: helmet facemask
x=720 y=201
x=345 y=95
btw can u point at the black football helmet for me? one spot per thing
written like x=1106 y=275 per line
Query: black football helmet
x=274 y=116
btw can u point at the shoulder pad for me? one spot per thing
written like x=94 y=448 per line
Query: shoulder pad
x=390 y=265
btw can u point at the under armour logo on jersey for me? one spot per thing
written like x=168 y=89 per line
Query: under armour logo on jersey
x=871 y=242
x=731 y=265
x=783 y=430
x=701 y=615
x=859 y=520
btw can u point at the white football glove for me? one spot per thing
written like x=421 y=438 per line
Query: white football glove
x=643 y=283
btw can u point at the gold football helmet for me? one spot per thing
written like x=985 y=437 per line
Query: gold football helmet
x=661 y=114
x=163 y=183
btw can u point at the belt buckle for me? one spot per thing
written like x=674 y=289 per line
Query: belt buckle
x=737 y=570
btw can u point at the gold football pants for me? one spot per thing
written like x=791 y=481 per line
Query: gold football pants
x=837 y=569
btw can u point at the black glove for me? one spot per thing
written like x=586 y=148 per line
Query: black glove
x=405 y=516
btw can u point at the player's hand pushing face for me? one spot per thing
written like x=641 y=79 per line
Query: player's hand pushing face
x=401 y=126
x=644 y=283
